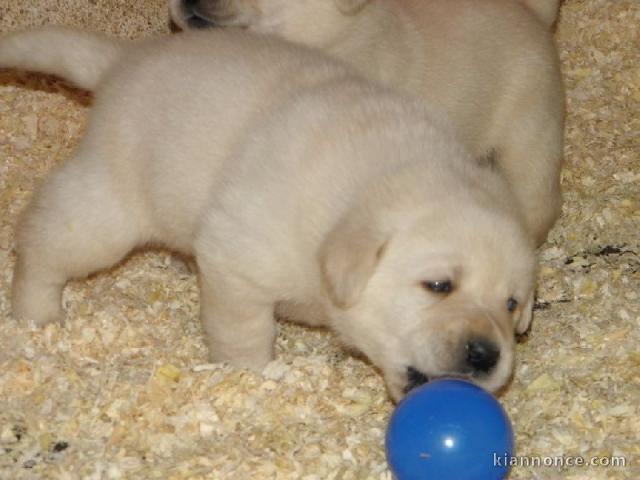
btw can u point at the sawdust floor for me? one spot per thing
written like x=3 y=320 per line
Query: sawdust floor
x=123 y=391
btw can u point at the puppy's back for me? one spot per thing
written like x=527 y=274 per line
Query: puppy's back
x=179 y=105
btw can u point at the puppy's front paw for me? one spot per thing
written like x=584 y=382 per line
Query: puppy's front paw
x=34 y=302
x=37 y=312
x=254 y=361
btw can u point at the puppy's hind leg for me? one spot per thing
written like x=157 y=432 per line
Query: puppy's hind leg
x=77 y=223
x=529 y=151
x=531 y=162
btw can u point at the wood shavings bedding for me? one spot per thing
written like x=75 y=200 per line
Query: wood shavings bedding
x=123 y=390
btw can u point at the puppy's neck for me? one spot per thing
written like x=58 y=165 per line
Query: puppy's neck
x=391 y=51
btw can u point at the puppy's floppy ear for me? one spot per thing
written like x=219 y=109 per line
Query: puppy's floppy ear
x=526 y=315
x=348 y=257
x=350 y=7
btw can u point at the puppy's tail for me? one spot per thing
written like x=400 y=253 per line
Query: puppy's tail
x=545 y=10
x=80 y=57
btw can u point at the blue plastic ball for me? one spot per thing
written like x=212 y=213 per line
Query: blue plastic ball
x=449 y=429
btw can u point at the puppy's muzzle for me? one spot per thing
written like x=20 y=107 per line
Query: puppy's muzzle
x=480 y=357
x=194 y=14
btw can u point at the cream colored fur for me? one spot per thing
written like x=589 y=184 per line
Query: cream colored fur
x=491 y=65
x=299 y=188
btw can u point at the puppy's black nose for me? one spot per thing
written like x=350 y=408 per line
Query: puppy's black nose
x=415 y=378
x=481 y=355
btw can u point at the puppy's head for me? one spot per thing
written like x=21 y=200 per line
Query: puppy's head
x=312 y=22
x=431 y=290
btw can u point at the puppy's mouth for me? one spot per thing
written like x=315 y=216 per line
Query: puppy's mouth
x=197 y=17
x=415 y=378
x=196 y=20
x=198 y=23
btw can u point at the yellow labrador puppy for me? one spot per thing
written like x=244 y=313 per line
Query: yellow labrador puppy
x=299 y=187
x=490 y=64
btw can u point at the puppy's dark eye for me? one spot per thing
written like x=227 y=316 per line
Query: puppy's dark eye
x=438 y=286
x=512 y=304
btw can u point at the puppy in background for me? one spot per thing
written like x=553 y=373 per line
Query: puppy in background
x=491 y=65
x=300 y=188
